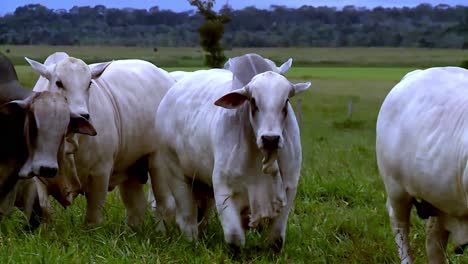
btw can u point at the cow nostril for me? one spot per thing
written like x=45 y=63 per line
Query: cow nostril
x=271 y=139
x=270 y=142
x=85 y=116
x=47 y=172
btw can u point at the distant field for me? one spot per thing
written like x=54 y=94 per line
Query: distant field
x=193 y=57
x=339 y=214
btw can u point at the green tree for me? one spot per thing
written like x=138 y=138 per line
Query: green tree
x=211 y=32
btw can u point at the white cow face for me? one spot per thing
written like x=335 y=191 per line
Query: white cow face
x=72 y=78
x=47 y=121
x=268 y=95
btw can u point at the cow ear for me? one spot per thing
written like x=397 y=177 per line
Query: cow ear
x=233 y=99
x=298 y=88
x=284 y=68
x=42 y=69
x=14 y=107
x=80 y=125
x=98 y=69
x=227 y=65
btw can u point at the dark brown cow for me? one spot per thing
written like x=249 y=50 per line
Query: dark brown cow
x=13 y=151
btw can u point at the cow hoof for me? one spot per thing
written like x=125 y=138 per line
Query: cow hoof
x=234 y=249
x=460 y=249
x=277 y=245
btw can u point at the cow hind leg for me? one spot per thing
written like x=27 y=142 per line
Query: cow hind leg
x=436 y=240
x=204 y=197
x=399 y=209
x=172 y=190
x=133 y=197
x=186 y=206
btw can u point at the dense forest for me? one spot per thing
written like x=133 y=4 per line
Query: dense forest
x=422 y=26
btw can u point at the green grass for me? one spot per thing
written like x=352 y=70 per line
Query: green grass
x=339 y=214
x=193 y=57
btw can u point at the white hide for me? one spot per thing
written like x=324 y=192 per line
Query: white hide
x=422 y=152
x=201 y=141
x=122 y=103
x=177 y=75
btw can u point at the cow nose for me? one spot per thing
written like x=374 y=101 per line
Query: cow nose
x=270 y=142
x=460 y=249
x=85 y=116
x=47 y=172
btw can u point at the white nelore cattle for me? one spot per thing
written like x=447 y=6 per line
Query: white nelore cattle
x=122 y=104
x=422 y=153
x=234 y=66
x=241 y=141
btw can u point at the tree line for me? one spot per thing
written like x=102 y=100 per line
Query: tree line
x=440 y=26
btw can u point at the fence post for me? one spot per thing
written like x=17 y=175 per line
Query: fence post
x=350 y=108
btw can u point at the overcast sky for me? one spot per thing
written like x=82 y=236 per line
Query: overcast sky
x=7 y=6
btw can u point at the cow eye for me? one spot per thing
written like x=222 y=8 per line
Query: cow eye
x=253 y=106
x=59 y=84
x=89 y=86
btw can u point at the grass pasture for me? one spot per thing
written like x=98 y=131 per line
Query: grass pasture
x=193 y=57
x=339 y=214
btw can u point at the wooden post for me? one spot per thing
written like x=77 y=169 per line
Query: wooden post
x=298 y=112
x=350 y=108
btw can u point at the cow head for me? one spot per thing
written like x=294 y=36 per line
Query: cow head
x=72 y=78
x=47 y=121
x=268 y=96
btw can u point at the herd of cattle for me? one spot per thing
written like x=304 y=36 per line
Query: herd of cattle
x=223 y=139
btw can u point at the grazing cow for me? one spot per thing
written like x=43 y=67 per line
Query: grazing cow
x=236 y=134
x=122 y=104
x=422 y=154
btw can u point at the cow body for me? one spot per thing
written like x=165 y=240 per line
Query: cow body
x=422 y=153
x=122 y=104
x=204 y=143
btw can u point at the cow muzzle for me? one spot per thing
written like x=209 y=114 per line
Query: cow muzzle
x=270 y=142
x=460 y=249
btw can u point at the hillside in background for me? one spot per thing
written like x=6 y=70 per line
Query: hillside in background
x=427 y=26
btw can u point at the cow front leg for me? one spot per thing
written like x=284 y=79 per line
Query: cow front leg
x=96 y=197
x=229 y=205
x=436 y=240
x=277 y=233
x=133 y=197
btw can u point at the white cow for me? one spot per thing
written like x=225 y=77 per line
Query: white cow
x=422 y=153
x=234 y=66
x=122 y=104
x=241 y=141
